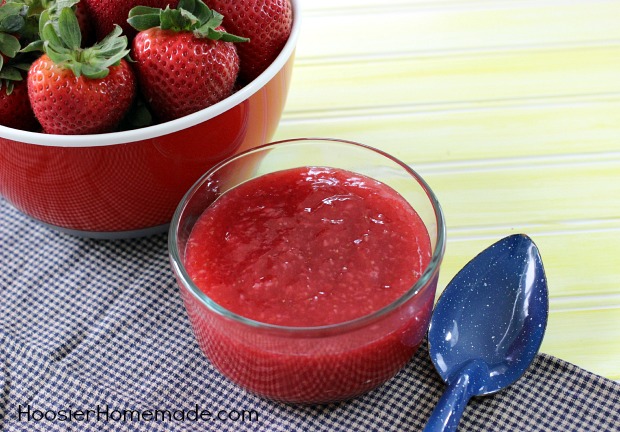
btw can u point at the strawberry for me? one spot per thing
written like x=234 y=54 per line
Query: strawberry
x=15 y=111
x=184 y=59
x=267 y=23
x=15 y=108
x=86 y=24
x=107 y=13
x=74 y=90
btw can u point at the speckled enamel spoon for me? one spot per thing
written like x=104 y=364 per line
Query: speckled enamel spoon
x=487 y=325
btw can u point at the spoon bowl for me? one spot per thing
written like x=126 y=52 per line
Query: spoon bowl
x=488 y=325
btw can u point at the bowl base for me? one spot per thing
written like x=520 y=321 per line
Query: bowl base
x=109 y=235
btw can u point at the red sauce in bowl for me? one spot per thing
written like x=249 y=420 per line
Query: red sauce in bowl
x=308 y=247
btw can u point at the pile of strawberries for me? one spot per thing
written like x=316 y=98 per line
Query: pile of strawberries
x=98 y=66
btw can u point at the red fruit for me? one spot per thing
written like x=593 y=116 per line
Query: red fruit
x=69 y=105
x=185 y=60
x=15 y=110
x=105 y=13
x=180 y=73
x=76 y=90
x=86 y=24
x=267 y=23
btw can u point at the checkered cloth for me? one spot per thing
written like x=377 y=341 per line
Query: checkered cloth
x=93 y=333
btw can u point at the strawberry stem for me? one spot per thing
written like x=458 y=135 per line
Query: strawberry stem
x=190 y=15
x=61 y=40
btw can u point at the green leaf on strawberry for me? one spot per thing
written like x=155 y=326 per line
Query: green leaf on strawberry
x=23 y=16
x=9 y=45
x=190 y=15
x=10 y=74
x=12 y=22
x=14 y=69
x=61 y=40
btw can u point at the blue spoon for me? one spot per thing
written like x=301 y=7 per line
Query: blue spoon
x=487 y=325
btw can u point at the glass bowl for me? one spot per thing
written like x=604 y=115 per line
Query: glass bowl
x=324 y=363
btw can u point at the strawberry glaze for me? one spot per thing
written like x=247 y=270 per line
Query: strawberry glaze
x=308 y=247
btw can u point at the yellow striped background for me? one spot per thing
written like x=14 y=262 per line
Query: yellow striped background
x=511 y=111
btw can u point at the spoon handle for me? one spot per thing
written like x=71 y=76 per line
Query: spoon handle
x=449 y=409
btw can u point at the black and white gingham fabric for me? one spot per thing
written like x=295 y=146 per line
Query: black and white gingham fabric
x=93 y=332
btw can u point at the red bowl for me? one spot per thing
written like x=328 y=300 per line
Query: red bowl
x=128 y=184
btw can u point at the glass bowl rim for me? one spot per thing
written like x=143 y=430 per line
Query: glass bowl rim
x=427 y=276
